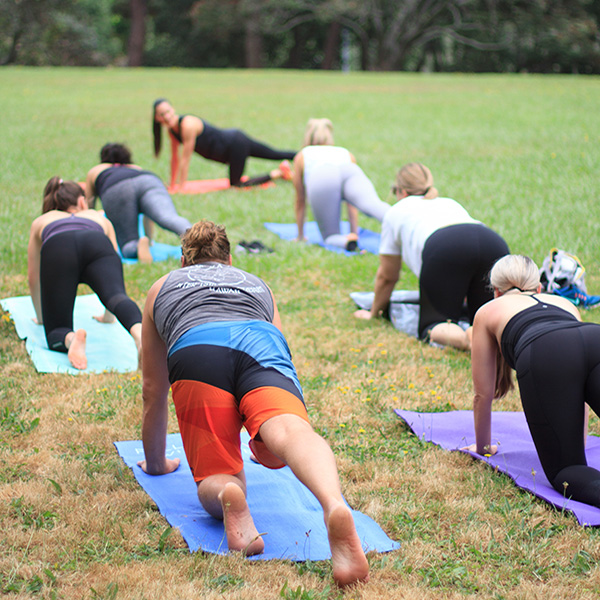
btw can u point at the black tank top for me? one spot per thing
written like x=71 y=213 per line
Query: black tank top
x=114 y=175
x=531 y=323
x=213 y=143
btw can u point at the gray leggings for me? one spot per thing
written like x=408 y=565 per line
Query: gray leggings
x=328 y=185
x=144 y=194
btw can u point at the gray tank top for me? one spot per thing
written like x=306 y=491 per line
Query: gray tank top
x=206 y=293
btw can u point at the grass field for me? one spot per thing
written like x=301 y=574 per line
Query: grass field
x=521 y=153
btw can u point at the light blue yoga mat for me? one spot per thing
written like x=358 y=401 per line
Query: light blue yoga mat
x=281 y=506
x=109 y=347
x=158 y=250
x=367 y=240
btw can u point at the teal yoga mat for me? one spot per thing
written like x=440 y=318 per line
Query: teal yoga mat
x=109 y=347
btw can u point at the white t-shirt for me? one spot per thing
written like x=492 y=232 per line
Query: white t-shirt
x=408 y=224
x=323 y=155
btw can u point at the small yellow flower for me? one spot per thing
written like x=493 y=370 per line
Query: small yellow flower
x=411 y=386
x=370 y=381
x=342 y=424
x=370 y=361
x=395 y=398
x=353 y=367
x=553 y=155
x=361 y=430
x=384 y=352
x=380 y=344
x=358 y=390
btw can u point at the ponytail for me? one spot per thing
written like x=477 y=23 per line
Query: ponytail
x=60 y=195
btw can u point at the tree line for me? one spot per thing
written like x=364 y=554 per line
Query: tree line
x=544 y=36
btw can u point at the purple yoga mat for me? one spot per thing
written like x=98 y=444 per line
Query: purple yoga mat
x=516 y=454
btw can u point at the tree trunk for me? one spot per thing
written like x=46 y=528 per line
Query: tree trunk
x=137 y=33
x=254 y=43
x=332 y=45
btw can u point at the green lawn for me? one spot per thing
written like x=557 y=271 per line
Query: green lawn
x=520 y=152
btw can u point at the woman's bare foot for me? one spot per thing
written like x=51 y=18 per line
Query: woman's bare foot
x=349 y=561
x=240 y=530
x=143 y=250
x=76 y=348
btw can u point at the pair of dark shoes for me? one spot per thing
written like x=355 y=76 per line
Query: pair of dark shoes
x=254 y=247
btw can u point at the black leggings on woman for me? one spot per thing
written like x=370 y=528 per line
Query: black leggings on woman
x=557 y=373
x=74 y=257
x=456 y=265
x=243 y=147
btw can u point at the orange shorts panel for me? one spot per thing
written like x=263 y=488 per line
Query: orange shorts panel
x=210 y=424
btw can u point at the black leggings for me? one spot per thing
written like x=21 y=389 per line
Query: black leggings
x=243 y=147
x=456 y=265
x=557 y=374
x=74 y=257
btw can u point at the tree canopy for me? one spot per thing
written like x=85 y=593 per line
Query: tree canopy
x=430 y=35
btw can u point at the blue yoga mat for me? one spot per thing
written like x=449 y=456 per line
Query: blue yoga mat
x=516 y=456
x=158 y=250
x=281 y=507
x=367 y=240
x=109 y=346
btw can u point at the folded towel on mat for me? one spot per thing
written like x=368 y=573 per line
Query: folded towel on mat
x=281 y=506
x=516 y=456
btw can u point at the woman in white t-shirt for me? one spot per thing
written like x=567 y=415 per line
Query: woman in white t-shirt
x=326 y=175
x=450 y=252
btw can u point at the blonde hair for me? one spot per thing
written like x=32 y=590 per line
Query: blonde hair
x=416 y=180
x=512 y=271
x=515 y=271
x=203 y=242
x=318 y=132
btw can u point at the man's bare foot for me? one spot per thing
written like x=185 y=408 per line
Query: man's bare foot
x=76 y=349
x=349 y=561
x=143 y=250
x=240 y=530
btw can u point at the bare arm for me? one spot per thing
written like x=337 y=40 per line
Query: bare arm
x=484 y=353
x=276 y=317
x=353 y=218
x=386 y=278
x=174 y=159
x=298 y=181
x=90 y=188
x=155 y=391
x=189 y=129
x=33 y=267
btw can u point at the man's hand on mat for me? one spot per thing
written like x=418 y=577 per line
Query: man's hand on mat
x=361 y=313
x=489 y=450
x=171 y=464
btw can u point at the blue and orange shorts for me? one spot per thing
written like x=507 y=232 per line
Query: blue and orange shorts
x=225 y=376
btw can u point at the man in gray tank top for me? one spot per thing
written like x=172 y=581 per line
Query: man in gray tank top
x=212 y=333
